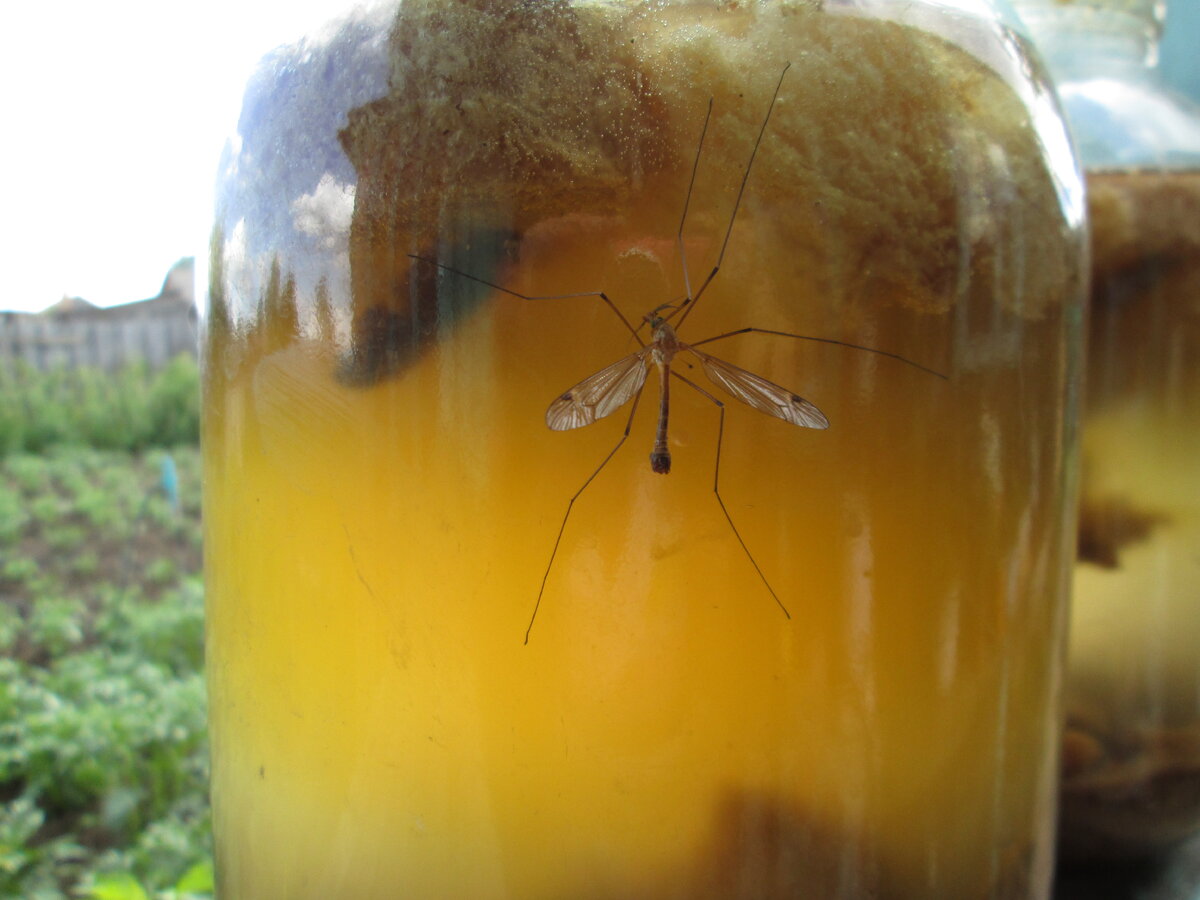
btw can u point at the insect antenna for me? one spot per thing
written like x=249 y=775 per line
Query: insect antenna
x=687 y=200
x=690 y=303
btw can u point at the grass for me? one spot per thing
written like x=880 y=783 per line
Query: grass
x=103 y=757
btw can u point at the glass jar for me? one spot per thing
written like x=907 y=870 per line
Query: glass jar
x=809 y=661
x=1131 y=768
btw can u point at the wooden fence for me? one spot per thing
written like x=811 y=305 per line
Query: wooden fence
x=74 y=333
x=47 y=341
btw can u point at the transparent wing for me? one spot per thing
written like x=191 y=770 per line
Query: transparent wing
x=763 y=395
x=600 y=394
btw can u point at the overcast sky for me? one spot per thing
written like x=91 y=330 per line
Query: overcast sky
x=114 y=116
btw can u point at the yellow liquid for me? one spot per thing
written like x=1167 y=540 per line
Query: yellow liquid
x=377 y=539
x=376 y=553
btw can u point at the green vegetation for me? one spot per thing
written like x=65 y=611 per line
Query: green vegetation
x=103 y=756
x=131 y=409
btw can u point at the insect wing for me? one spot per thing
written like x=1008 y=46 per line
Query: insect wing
x=599 y=394
x=763 y=395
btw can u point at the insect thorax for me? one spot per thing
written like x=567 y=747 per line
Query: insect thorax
x=666 y=344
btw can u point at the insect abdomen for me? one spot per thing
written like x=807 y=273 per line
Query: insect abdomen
x=660 y=456
x=660 y=461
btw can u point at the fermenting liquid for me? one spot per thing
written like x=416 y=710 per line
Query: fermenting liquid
x=383 y=495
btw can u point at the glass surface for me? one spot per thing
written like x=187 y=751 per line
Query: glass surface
x=383 y=497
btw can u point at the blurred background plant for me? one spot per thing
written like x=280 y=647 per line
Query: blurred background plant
x=103 y=753
x=130 y=409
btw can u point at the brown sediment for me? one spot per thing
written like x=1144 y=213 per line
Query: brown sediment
x=1142 y=219
x=900 y=166
x=496 y=112
x=1126 y=793
x=763 y=847
x=899 y=170
x=1145 y=282
x=1106 y=526
x=1080 y=751
x=496 y=108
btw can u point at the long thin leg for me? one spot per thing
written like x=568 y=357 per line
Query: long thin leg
x=820 y=340
x=511 y=293
x=690 y=303
x=717 y=489
x=570 y=503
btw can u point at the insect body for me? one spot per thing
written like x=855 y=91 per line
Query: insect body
x=613 y=386
x=604 y=392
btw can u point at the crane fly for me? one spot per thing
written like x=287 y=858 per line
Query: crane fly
x=604 y=392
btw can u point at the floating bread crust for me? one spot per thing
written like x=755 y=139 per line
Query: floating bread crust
x=894 y=159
